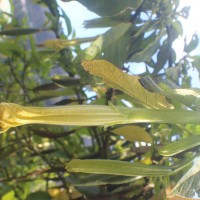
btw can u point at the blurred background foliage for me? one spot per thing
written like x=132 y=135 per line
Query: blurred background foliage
x=40 y=66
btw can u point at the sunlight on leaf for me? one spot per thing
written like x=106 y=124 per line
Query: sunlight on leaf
x=133 y=133
x=130 y=85
x=59 y=194
x=188 y=97
x=189 y=185
x=180 y=146
x=9 y=195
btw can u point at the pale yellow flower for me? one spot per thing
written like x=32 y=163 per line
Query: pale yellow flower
x=13 y=115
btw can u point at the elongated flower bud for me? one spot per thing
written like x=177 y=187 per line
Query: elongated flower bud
x=13 y=115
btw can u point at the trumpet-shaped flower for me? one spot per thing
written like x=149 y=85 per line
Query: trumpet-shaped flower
x=13 y=115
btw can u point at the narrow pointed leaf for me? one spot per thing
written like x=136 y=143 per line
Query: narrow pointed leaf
x=67 y=21
x=45 y=87
x=163 y=55
x=70 y=101
x=19 y=31
x=66 y=81
x=101 y=23
x=180 y=146
x=192 y=44
x=48 y=94
x=116 y=168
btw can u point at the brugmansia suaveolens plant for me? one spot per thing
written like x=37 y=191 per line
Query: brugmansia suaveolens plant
x=160 y=111
x=155 y=109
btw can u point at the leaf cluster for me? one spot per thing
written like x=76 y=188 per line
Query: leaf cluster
x=140 y=161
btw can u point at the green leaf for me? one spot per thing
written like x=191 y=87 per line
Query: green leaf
x=133 y=133
x=116 y=172
x=8 y=150
x=177 y=26
x=180 y=146
x=9 y=196
x=100 y=179
x=148 y=51
x=140 y=41
x=70 y=101
x=128 y=84
x=117 y=52
x=44 y=87
x=188 y=185
x=189 y=97
x=116 y=168
x=48 y=94
x=163 y=55
x=67 y=21
x=122 y=17
x=66 y=81
x=111 y=7
x=192 y=44
x=10 y=48
x=184 y=12
x=173 y=73
x=52 y=134
x=39 y=195
x=19 y=31
x=103 y=42
x=196 y=62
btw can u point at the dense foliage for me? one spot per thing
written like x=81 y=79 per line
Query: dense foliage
x=135 y=161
